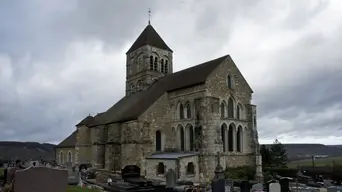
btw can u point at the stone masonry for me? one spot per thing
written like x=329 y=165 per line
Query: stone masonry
x=202 y=119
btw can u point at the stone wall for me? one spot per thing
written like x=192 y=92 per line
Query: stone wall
x=152 y=166
x=83 y=145
x=138 y=67
x=62 y=155
x=183 y=164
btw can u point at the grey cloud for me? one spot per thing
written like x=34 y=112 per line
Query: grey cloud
x=61 y=60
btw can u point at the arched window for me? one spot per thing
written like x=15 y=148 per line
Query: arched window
x=238 y=112
x=223 y=137
x=230 y=108
x=132 y=88
x=151 y=62
x=182 y=139
x=190 y=168
x=166 y=67
x=69 y=157
x=231 y=137
x=61 y=158
x=181 y=111
x=189 y=137
x=254 y=121
x=158 y=141
x=162 y=65
x=139 y=85
x=188 y=110
x=239 y=139
x=223 y=109
x=161 y=168
x=230 y=82
x=155 y=64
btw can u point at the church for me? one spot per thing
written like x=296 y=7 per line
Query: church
x=170 y=120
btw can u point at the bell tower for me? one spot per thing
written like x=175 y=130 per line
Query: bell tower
x=148 y=59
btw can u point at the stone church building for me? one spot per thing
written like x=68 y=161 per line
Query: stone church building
x=170 y=120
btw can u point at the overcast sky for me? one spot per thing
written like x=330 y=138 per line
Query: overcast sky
x=61 y=60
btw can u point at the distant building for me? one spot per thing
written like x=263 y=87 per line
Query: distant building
x=171 y=120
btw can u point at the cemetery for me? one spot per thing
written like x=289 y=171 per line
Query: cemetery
x=35 y=176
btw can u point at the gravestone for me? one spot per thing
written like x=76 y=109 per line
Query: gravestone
x=5 y=165
x=9 y=175
x=171 y=178
x=257 y=187
x=274 y=187
x=130 y=171
x=40 y=179
x=269 y=182
x=284 y=184
x=245 y=186
x=218 y=183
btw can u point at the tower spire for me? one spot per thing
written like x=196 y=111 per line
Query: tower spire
x=149 y=16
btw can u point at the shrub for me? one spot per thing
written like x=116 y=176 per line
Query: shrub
x=284 y=172
x=245 y=172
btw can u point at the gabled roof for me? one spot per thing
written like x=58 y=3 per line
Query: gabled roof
x=70 y=141
x=149 y=36
x=86 y=121
x=132 y=106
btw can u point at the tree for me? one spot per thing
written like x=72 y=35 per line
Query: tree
x=278 y=154
x=266 y=156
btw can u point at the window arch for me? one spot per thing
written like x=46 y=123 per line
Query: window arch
x=230 y=108
x=181 y=111
x=188 y=110
x=239 y=139
x=140 y=85
x=151 y=62
x=182 y=139
x=189 y=132
x=61 y=157
x=166 y=67
x=230 y=82
x=223 y=109
x=223 y=137
x=69 y=157
x=161 y=168
x=132 y=87
x=231 y=132
x=155 y=64
x=238 y=111
x=162 y=65
x=158 y=140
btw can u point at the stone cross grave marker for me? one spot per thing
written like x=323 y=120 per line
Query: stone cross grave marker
x=257 y=187
x=274 y=187
x=218 y=183
x=40 y=179
x=171 y=179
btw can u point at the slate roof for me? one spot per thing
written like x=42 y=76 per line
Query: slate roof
x=132 y=106
x=88 y=120
x=149 y=36
x=70 y=141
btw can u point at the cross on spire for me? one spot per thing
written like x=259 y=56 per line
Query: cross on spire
x=149 y=16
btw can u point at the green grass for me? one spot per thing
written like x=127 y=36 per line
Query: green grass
x=79 y=189
x=319 y=162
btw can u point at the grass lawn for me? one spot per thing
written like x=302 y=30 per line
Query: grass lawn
x=1 y=172
x=79 y=189
x=320 y=162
